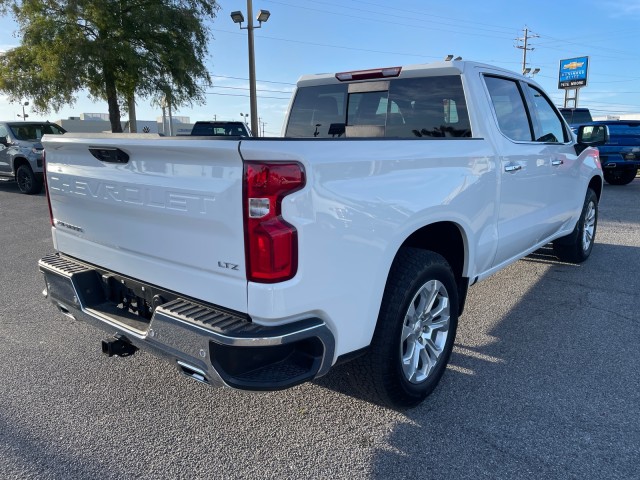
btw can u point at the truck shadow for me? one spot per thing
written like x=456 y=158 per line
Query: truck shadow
x=621 y=203
x=542 y=383
x=8 y=186
x=12 y=187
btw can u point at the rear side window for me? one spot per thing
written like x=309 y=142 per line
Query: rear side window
x=509 y=107
x=429 y=107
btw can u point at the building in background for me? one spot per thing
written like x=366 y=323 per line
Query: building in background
x=622 y=116
x=99 y=122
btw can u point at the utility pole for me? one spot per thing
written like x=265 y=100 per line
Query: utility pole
x=525 y=46
x=262 y=125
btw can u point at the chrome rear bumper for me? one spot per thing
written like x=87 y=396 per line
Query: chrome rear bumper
x=207 y=343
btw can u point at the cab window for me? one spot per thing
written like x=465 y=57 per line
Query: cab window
x=415 y=108
x=430 y=107
x=509 y=108
x=547 y=125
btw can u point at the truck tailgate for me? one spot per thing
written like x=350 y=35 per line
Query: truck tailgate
x=167 y=215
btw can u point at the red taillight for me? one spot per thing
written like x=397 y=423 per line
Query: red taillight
x=46 y=186
x=369 y=74
x=271 y=243
x=597 y=159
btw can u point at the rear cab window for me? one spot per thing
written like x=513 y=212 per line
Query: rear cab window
x=415 y=108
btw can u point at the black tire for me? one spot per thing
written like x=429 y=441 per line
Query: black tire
x=28 y=182
x=576 y=247
x=382 y=374
x=620 y=177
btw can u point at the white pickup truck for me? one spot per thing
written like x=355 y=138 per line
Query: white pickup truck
x=259 y=263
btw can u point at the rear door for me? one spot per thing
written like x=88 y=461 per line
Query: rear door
x=164 y=211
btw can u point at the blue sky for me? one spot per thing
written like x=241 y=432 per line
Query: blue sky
x=304 y=36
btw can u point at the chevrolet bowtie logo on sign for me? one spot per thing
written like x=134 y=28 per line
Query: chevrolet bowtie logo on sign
x=573 y=72
x=573 y=65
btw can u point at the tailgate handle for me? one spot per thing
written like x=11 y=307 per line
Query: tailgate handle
x=109 y=154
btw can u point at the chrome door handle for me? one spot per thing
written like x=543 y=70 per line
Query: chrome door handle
x=512 y=168
x=555 y=163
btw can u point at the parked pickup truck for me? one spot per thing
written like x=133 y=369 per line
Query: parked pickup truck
x=260 y=263
x=620 y=151
x=21 y=153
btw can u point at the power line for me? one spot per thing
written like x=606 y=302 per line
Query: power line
x=593 y=47
x=387 y=22
x=341 y=47
x=241 y=95
x=416 y=12
x=242 y=78
x=259 y=89
x=423 y=16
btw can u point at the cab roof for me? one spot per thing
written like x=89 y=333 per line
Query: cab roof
x=454 y=67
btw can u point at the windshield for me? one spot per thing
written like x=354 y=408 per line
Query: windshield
x=34 y=131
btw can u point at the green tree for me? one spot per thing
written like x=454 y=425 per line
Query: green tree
x=115 y=49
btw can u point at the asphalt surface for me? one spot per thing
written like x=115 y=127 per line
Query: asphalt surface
x=544 y=382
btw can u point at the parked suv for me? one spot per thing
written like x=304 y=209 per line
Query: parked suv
x=21 y=152
x=620 y=152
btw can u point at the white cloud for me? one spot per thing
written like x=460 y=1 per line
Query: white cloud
x=5 y=47
x=622 y=8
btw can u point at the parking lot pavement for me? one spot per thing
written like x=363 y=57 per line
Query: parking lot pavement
x=544 y=382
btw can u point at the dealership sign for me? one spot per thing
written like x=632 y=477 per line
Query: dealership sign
x=573 y=72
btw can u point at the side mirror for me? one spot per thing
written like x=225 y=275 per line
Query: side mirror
x=4 y=141
x=593 y=135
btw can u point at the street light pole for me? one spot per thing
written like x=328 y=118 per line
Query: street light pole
x=24 y=115
x=252 y=73
x=237 y=17
x=244 y=116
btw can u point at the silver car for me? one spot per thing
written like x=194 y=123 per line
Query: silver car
x=21 y=153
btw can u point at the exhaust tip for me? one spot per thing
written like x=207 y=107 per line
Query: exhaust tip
x=65 y=311
x=193 y=372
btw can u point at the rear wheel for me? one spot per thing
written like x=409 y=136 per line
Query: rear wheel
x=28 y=182
x=577 y=246
x=415 y=331
x=620 y=177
